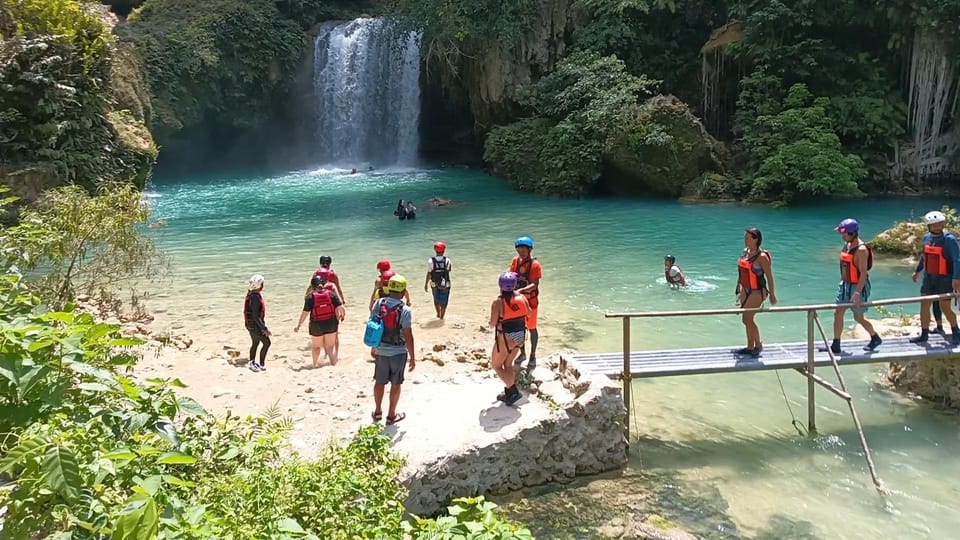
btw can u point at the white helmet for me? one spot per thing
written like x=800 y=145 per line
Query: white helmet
x=256 y=282
x=934 y=217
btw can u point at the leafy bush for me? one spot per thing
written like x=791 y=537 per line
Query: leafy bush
x=794 y=151
x=72 y=242
x=578 y=107
x=54 y=67
x=468 y=518
x=95 y=454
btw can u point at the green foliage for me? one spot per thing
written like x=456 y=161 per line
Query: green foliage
x=217 y=61
x=470 y=518
x=454 y=28
x=71 y=241
x=95 y=454
x=794 y=151
x=659 y=38
x=54 y=65
x=578 y=108
x=905 y=238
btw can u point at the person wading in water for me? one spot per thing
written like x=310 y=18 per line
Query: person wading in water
x=754 y=284
x=325 y=310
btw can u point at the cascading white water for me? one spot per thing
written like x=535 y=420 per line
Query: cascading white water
x=366 y=85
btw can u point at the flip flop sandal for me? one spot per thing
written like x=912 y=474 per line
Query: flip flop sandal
x=376 y=416
x=395 y=419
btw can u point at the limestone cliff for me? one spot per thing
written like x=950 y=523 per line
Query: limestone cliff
x=492 y=77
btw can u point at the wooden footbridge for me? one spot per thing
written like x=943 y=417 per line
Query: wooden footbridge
x=802 y=357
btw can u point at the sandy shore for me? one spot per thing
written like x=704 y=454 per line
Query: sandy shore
x=452 y=377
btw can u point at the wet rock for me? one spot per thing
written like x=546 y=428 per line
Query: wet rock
x=309 y=390
x=439 y=347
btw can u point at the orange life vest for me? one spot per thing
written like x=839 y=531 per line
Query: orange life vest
x=513 y=313
x=523 y=269
x=749 y=279
x=849 y=273
x=934 y=262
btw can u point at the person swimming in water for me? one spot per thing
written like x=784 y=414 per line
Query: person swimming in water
x=400 y=212
x=673 y=273
x=411 y=210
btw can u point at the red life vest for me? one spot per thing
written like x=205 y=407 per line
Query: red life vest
x=849 y=273
x=324 y=273
x=748 y=279
x=247 y=316
x=323 y=308
x=392 y=331
x=934 y=262
x=523 y=269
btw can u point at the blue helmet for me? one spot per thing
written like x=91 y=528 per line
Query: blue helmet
x=525 y=241
x=848 y=225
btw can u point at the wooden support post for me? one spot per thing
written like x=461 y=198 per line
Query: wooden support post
x=825 y=383
x=811 y=385
x=626 y=375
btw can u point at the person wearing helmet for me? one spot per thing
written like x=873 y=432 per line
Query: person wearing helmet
x=673 y=273
x=940 y=264
x=856 y=260
x=396 y=349
x=508 y=315
x=754 y=284
x=327 y=275
x=438 y=277
x=325 y=310
x=529 y=273
x=254 y=313
x=380 y=284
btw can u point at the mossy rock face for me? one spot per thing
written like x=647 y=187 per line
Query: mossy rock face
x=133 y=146
x=664 y=148
x=905 y=238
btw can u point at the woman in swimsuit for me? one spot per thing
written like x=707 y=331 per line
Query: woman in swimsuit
x=754 y=284
x=508 y=315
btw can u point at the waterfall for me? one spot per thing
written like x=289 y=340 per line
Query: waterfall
x=366 y=87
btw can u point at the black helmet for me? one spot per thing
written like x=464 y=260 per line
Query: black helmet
x=316 y=281
x=325 y=260
x=669 y=257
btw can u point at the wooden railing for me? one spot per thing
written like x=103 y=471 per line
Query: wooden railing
x=813 y=324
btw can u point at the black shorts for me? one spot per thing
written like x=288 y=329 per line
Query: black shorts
x=322 y=328
x=936 y=285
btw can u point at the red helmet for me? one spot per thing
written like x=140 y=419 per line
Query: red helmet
x=383 y=266
x=439 y=247
x=386 y=275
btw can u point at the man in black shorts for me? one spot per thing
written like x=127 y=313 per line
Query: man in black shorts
x=940 y=263
x=325 y=310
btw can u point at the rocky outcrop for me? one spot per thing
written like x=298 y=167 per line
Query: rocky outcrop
x=663 y=150
x=905 y=238
x=572 y=425
x=937 y=381
x=493 y=77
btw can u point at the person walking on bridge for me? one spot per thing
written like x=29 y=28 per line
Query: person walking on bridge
x=856 y=260
x=940 y=264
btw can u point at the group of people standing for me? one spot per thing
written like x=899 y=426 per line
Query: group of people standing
x=939 y=262
x=512 y=314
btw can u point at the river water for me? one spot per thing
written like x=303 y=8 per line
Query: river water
x=727 y=436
